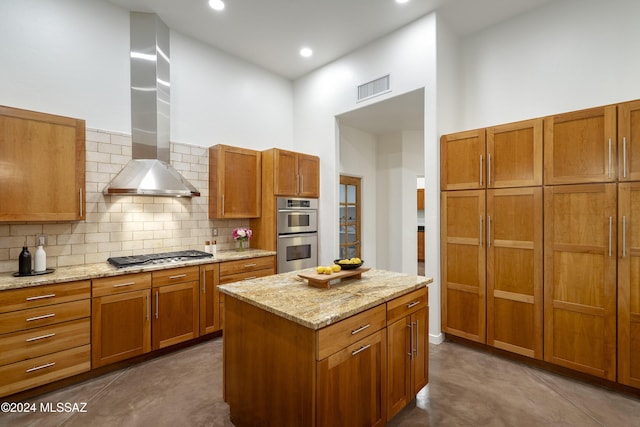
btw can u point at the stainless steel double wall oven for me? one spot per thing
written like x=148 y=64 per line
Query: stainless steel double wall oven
x=297 y=233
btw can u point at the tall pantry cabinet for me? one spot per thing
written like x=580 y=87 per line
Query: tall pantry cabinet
x=494 y=237
x=492 y=215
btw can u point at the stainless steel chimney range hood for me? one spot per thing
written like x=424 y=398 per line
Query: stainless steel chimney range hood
x=149 y=172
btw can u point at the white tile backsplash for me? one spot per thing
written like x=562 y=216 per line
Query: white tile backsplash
x=124 y=225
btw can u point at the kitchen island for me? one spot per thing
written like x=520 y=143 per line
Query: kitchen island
x=354 y=354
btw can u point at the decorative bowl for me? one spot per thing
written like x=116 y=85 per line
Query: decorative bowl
x=348 y=266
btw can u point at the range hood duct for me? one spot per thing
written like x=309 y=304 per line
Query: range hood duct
x=149 y=172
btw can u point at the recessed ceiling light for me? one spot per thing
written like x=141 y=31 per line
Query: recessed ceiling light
x=216 y=4
x=402 y=1
x=306 y=52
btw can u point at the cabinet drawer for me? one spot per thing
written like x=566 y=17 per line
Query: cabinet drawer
x=38 y=296
x=45 y=340
x=344 y=333
x=406 y=304
x=243 y=265
x=176 y=275
x=44 y=316
x=247 y=275
x=44 y=369
x=118 y=284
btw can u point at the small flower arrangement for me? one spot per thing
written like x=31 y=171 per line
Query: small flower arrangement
x=241 y=233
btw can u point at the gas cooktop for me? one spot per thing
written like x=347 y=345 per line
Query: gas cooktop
x=161 y=258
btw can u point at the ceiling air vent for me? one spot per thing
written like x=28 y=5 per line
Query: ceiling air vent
x=373 y=88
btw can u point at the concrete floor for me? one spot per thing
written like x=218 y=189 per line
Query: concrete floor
x=467 y=388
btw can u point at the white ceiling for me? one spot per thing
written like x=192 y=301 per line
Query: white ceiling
x=270 y=33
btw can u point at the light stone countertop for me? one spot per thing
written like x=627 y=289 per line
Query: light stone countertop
x=94 y=271
x=289 y=296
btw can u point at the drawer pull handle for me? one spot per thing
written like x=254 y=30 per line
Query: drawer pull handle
x=361 y=349
x=413 y=304
x=360 y=329
x=119 y=285
x=45 y=316
x=41 y=297
x=41 y=337
x=249 y=278
x=37 y=368
x=179 y=276
x=250 y=265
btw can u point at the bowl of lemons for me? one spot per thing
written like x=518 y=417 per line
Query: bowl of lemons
x=349 y=263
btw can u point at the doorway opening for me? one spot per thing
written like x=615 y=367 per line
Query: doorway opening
x=350 y=224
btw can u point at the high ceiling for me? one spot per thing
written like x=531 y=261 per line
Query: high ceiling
x=270 y=33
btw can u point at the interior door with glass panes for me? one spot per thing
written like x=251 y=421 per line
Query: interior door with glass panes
x=349 y=217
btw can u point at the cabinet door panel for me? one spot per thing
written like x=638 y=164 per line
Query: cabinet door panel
x=463 y=263
x=351 y=388
x=514 y=270
x=462 y=160
x=580 y=278
x=286 y=173
x=209 y=299
x=309 y=171
x=399 y=365
x=629 y=141
x=43 y=156
x=580 y=147
x=175 y=314
x=514 y=154
x=121 y=327
x=629 y=284
x=420 y=359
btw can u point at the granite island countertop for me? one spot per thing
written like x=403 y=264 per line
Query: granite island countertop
x=104 y=269
x=289 y=296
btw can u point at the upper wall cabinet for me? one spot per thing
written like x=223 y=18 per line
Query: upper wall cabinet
x=629 y=141
x=234 y=182
x=580 y=147
x=43 y=166
x=462 y=160
x=514 y=154
x=294 y=174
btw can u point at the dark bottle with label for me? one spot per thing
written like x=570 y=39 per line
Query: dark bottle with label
x=24 y=262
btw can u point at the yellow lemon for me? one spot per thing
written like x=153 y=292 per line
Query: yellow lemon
x=319 y=269
x=328 y=270
x=336 y=268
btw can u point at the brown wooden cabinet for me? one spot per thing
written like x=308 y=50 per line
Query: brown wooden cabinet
x=629 y=284
x=420 y=245
x=210 y=314
x=175 y=306
x=351 y=386
x=407 y=349
x=580 y=278
x=234 y=182
x=629 y=141
x=420 y=199
x=462 y=158
x=291 y=173
x=580 y=146
x=45 y=335
x=463 y=263
x=121 y=313
x=43 y=163
x=515 y=270
x=514 y=154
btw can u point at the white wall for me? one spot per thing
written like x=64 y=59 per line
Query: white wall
x=409 y=54
x=565 y=56
x=71 y=57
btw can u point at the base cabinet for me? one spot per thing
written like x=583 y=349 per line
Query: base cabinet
x=175 y=306
x=210 y=314
x=351 y=385
x=121 y=313
x=44 y=335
